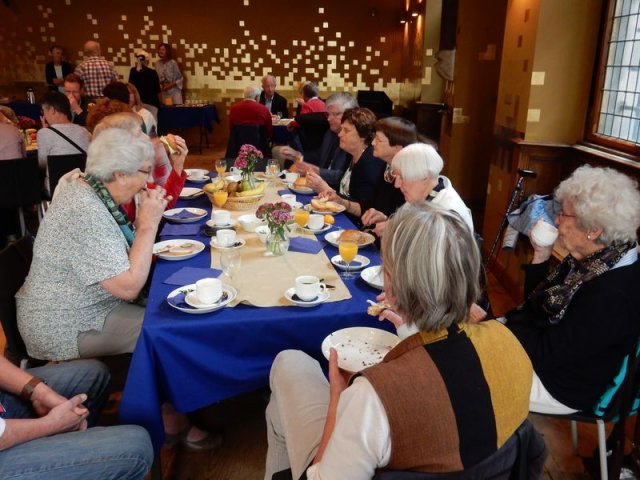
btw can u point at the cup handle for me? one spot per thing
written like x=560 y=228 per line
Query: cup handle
x=323 y=288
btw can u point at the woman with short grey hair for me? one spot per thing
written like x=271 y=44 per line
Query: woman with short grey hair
x=462 y=389
x=90 y=262
x=416 y=173
x=581 y=319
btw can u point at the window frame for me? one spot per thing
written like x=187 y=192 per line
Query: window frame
x=591 y=135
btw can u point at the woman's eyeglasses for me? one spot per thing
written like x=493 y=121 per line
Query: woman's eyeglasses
x=389 y=175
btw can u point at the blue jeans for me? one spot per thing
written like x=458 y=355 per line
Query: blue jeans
x=105 y=452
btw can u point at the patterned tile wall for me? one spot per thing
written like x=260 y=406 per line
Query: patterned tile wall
x=223 y=46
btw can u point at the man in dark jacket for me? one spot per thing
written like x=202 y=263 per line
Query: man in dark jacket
x=274 y=102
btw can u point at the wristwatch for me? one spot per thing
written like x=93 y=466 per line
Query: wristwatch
x=29 y=387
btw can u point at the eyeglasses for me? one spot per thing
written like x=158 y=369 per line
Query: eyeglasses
x=562 y=214
x=146 y=172
x=389 y=175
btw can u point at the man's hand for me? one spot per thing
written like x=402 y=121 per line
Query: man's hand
x=305 y=168
x=44 y=398
x=75 y=107
x=316 y=182
x=69 y=416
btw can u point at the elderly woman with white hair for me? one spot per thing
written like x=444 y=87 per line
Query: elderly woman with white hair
x=442 y=400
x=89 y=261
x=581 y=319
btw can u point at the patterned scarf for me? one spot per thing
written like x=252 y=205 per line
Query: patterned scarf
x=128 y=230
x=554 y=294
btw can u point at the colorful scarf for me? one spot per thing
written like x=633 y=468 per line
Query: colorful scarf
x=127 y=228
x=554 y=293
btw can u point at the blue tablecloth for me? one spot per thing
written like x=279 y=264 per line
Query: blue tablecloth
x=195 y=360
x=187 y=117
x=26 y=109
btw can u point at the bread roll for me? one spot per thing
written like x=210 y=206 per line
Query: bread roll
x=354 y=236
x=325 y=205
x=300 y=182
x=377 y=309
x=169 y=142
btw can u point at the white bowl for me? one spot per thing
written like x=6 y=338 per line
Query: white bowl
x=250 y=222
x=263 y=233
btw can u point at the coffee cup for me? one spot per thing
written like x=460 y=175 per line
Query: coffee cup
x=543 y=234
x=235 y=171
x=316 y=221
x=226 y=238
x=291 y=177
x=308 y=287
x=221 y=217
x=289 y=198
x=208 y=290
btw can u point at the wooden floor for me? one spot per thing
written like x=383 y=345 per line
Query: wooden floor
x=241 y=420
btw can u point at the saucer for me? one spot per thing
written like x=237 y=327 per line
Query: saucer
x=300 y=190
x=358 y=263
x=297 y=206
x=373 y=276
x=290 y=295
x=240 y=242
x=177 y=299
x=178 y=249
x=196 y=172
x=324 y=228
x=196 y=179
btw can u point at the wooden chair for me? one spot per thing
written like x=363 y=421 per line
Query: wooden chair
x=616 y=405
x=15 y=261
x=20 y=186
x=252 y=134
x=59 y=165
x=522 y=457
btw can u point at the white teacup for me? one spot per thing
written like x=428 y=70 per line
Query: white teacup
x=308 y=287
x=263 y=233
x=235 y=171
x=226 y=237
x=543 y=234
x=291 y=177
x=289 y=198
x=316 y=221
x=208 y=290
x=221 y=217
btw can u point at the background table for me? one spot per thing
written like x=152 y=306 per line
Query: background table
x=195 y=360
x=187 y=117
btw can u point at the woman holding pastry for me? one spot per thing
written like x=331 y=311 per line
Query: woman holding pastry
x=359 y=182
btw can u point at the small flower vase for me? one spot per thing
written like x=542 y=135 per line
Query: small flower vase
x=248 y=180
x=277 y=243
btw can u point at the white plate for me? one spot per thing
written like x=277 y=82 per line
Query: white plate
x=177 y=299
x=196 y=172
x=373 y=276
x=240 y=242
x=290 y=295
x=358 y=263
x=324 y=228
x=197 y=248
x=332 y=238
x=325 y=212
x=198 y=179
x=359 y=347
x=191 y=192
x=199 y=213
x=301 y=190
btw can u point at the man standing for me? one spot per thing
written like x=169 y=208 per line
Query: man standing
x=271 y=99
x=145 y=79
x=95 y=71
x=57 y=69
x=249 y=112
x=79 y=102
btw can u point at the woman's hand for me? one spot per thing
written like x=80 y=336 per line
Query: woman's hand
x=153 y=202
x=373 y=216
x=178 y=158
x=330 y=195
x=316 y=182
x=389 y=314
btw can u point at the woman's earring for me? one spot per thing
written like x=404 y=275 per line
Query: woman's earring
x=588 y=236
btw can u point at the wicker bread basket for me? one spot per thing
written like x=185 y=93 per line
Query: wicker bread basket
x=240 y=203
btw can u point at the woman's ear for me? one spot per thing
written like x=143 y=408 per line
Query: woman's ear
x=595 y=233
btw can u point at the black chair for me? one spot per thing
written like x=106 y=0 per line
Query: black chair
x=522 y=457
x=20 y=186
x=311 y=130
x=58 y=165
x=623 y=404
x=251 y=134
x=15 y=261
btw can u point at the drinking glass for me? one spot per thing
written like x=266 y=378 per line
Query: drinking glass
x=273 y=168
x=348 y=251
x=220 y=198
x=230 y=263
x=301 y=217
x=221 y=167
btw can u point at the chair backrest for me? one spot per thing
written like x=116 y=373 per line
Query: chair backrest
x=20 y=183
x=311 y=130
x=15 y=261
x=58 y=165
x=252 y=134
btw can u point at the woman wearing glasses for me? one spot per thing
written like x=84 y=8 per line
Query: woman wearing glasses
x=581 y=319
x=89 y=260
